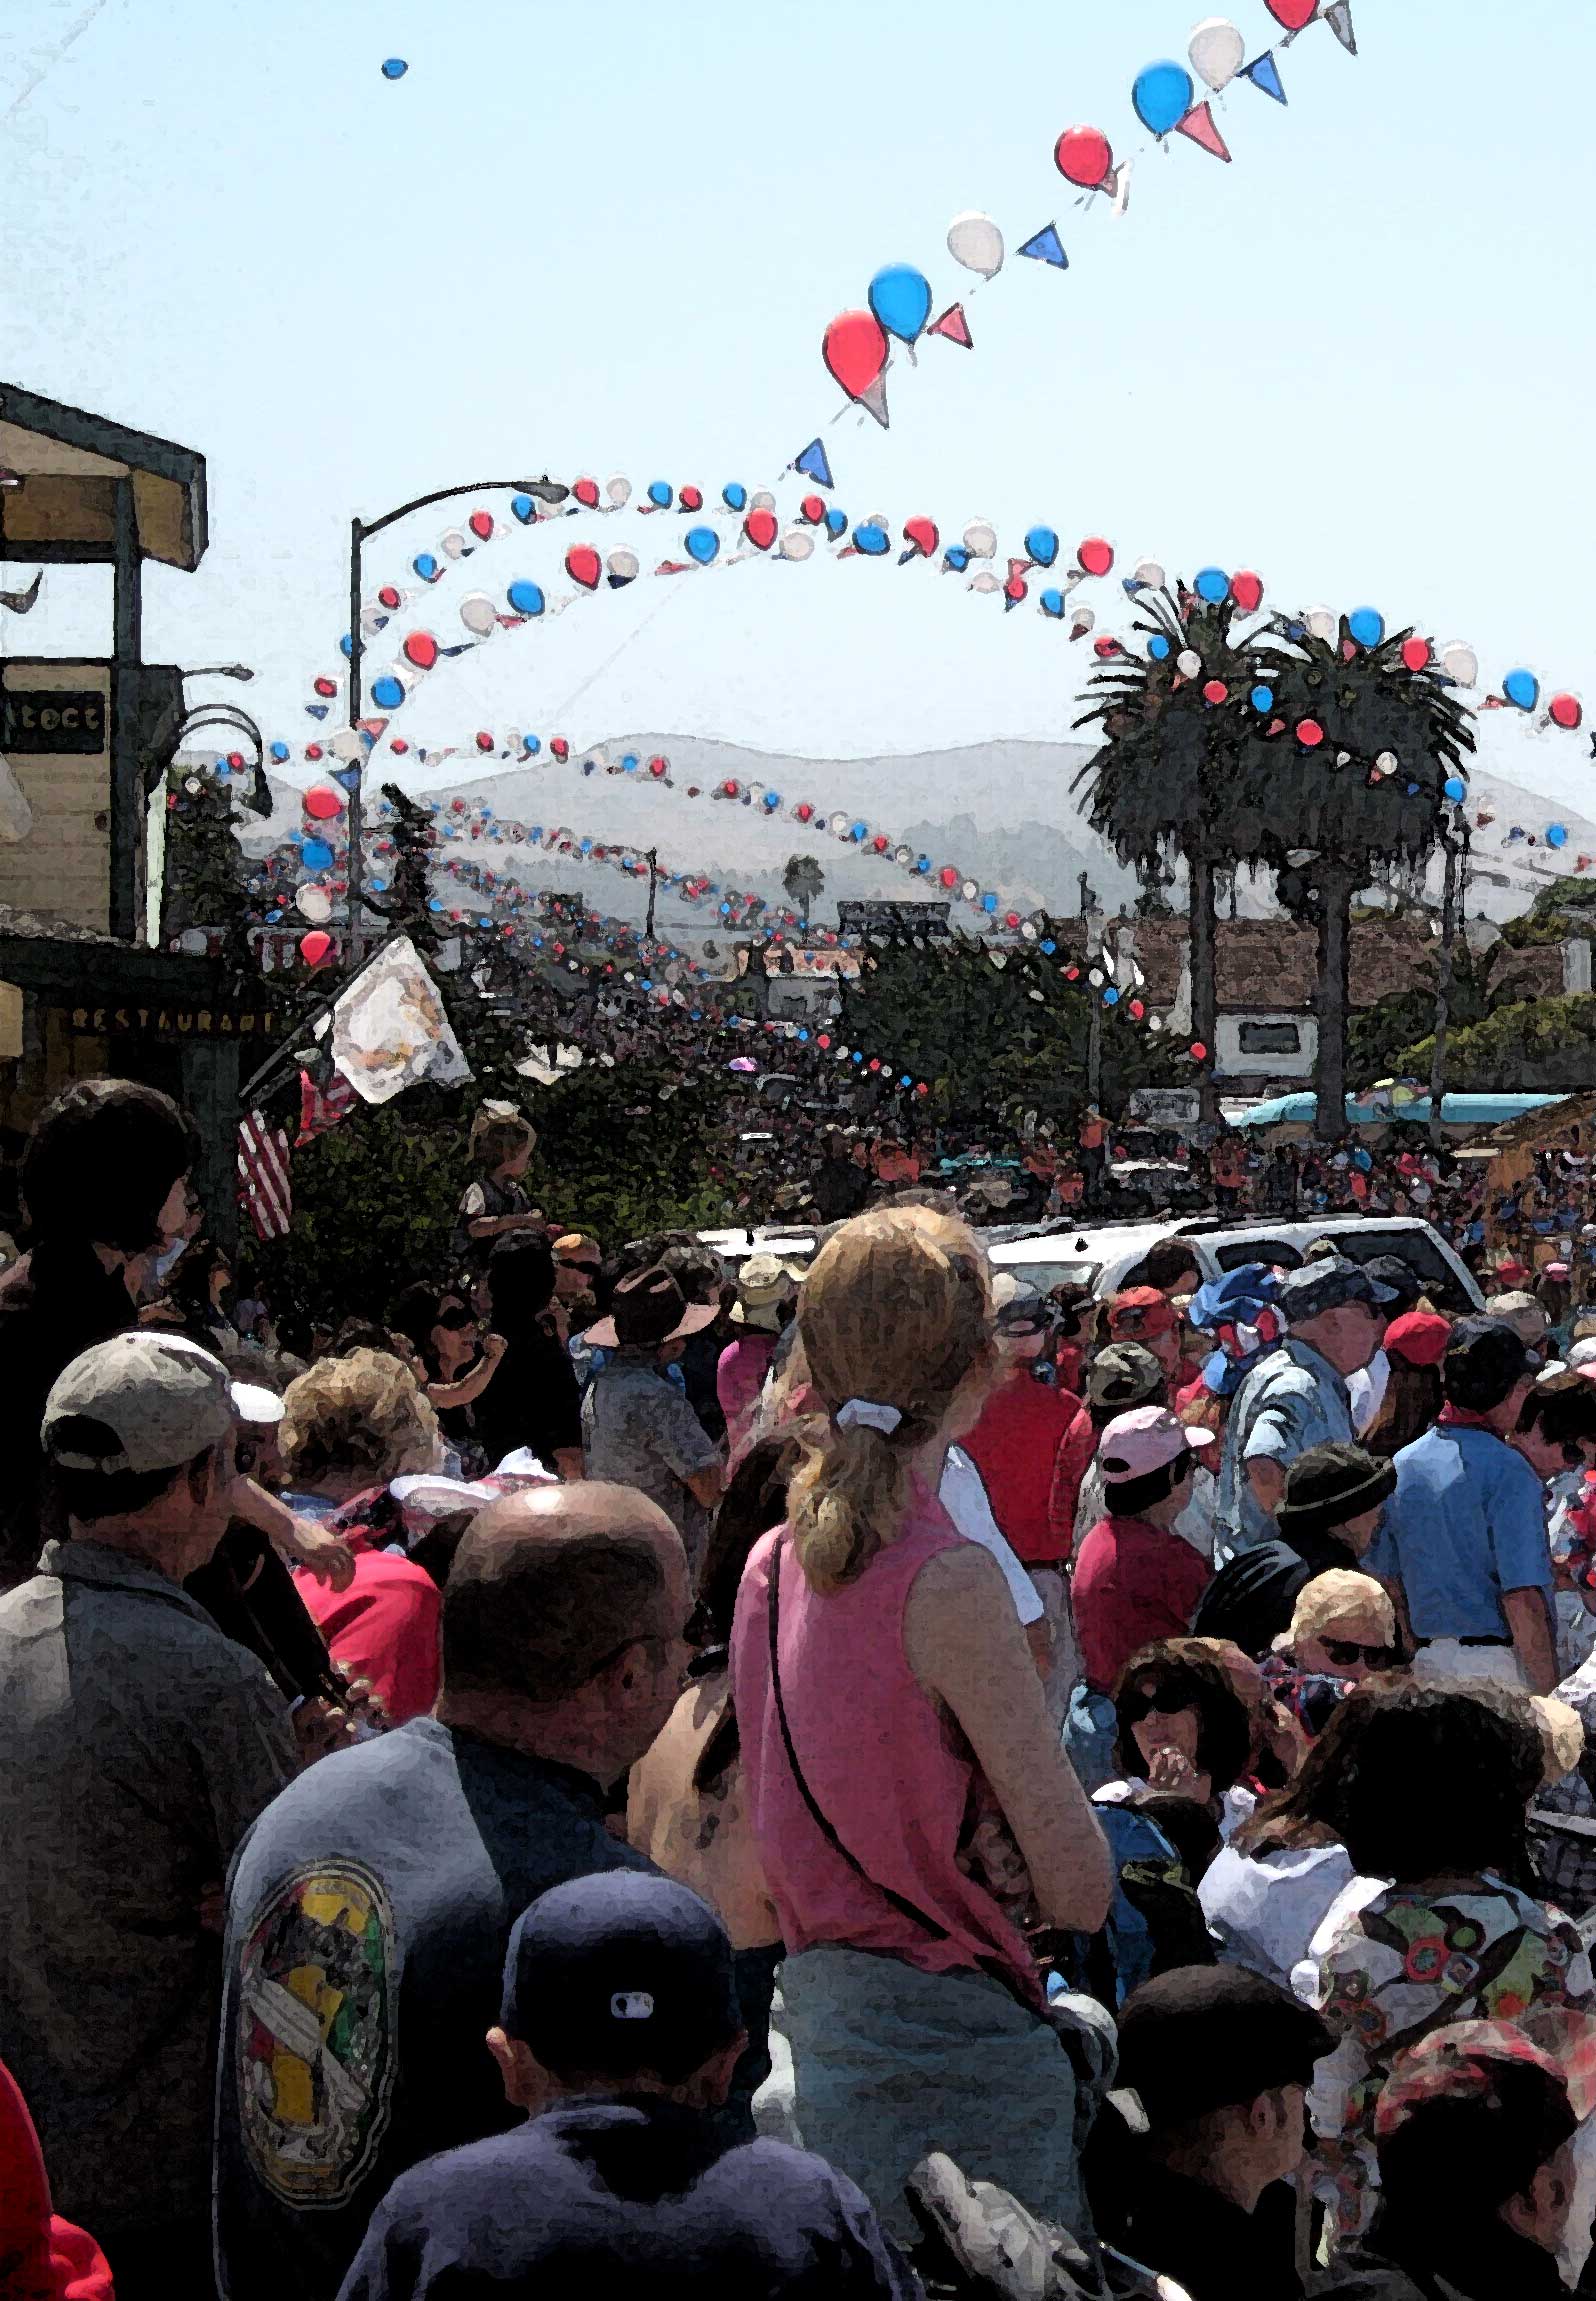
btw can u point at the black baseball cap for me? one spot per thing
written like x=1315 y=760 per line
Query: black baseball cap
x=1394 y=1272
x=1330 y=1484
x=1330 y=1284
x=1210 y=2037
x=621 y=1973
x=1485 y=1359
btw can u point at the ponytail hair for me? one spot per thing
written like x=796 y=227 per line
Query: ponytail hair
x=897 y=1312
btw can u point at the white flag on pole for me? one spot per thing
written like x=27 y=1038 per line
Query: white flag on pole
x=390 y=1031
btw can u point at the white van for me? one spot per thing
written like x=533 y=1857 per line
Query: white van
x=1099 y=1256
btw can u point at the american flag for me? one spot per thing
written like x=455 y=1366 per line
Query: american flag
x=321 y=1107
x=263 y=1185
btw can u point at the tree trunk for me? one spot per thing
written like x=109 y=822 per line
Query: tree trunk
x=1203 y=939
x=1336 y=889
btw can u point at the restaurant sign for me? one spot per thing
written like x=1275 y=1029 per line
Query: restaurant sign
x=155 y=1019
x=39 y=720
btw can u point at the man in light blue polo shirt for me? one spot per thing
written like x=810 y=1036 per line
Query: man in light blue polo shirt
x=1464 y=1546
x=1297 y=1396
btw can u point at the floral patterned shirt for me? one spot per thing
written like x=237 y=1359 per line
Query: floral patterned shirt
x=1406 y=1964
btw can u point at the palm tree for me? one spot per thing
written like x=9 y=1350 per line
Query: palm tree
x=1369 y=793
x=1165 y=781
x=804 y=883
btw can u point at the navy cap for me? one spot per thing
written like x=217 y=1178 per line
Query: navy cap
x=1237 y=1300
x=620 y=1973
x=1329 y=1285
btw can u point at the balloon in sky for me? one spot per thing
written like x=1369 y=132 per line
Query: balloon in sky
x=836 y=521
x=1217 y=51
x=1188 y=663
x=1522 y=688
x=1293 y=14
x=1565 y=710
x=1162 y=95
x=1149 y=572
x=525 y=509
x=1212 y=584
x=920 y=535
x=1052 y=602
x=315 y=947
x=1460 y=663
x=1094 y=555
x=421 y=649
x=279 y=751
x=586 y=492
x=394 y=68
x=797 y=543
x=1083 y=156
x=734 y=495
x=313 y=902
x=454 y=544
x=1415 y=653
x=1158 y=647
x=1041 y=545
x=900 y=297
x=1556 y=835
x=980 y=540
x=975 y=242
x=854 y=349
x=1246 y=589
x=760 y=529
x=425 y=566
x=316 y=855
x=322 y=803
x=702 y=544
x=478 y=614
x=618 y=491
x=1454 y=788
x=621 y=568
x=871 y=538
x=387 y=692
x=1366 y=625
x=525 y=598
x=1321 y=622
x=582 y=565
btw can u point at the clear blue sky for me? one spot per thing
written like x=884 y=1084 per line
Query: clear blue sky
x=609 y=238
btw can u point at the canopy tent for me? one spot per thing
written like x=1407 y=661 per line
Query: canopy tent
x=1469 y=1113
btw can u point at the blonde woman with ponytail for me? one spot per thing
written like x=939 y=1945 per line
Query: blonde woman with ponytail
x=890 y=1709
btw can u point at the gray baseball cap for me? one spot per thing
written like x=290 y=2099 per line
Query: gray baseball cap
x=1329 y=1285
x=166 y=1400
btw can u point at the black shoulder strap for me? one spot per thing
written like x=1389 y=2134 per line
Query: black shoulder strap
x=904 y=1908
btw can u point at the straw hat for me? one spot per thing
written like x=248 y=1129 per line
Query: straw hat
x=764 y=1285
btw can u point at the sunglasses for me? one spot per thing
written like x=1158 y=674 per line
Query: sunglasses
x=1168 y=1701
x=1346 y=1653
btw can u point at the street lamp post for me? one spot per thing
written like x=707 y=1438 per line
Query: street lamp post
x=361 y=532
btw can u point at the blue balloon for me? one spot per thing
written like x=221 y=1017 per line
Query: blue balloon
x=702 y=544
x=1111 y=997
x=1521 y=687
x=900 y=297
x=1213 y=584
x=1158 y=647
x=316 y=855
x=425 y=566
x=870 y=539
x=348 y=645
x=734 y=495
x=1041 y=544
x=836 y=523
x=1052 y=602
x=532 y=745
x=526 y=598
x=956 y=557
x=1263 y=698
x=771 y=801
x=524 y=507
x=989 y=902
x=394 y=68
x=1162 y=95
x=279 y=751
x=659 y=493
x=1456 y=789
x=922 y=864
x=387 y=693
x=858 y=832
x=1366 y=625
x=1557 y=835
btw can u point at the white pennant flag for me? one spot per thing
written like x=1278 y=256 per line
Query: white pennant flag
x=390 y=1030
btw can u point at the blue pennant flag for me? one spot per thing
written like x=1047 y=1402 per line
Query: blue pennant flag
x=813 y=463
x=1047 y=247
x=318 y=710
x=349 y=777
x=1264 y=73
x=464 y=648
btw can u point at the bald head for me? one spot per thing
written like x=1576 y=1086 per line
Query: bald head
x=551 y=1585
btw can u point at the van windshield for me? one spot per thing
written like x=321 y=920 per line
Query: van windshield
x=1044 y=1276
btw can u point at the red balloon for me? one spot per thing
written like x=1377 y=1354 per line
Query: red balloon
x=875 y=1062
x=481 y=525
x=421 y=649
x=388 y=596
x=1215 y=691
x=690 y=498
x=922 y=1088
x=1199 y=1053
x=1095 y=555
x=1294 y=14
x=559 y=746
x=1084 y=156
x=326 y=686
x=658 y=767
x=854 y=348
x=1309 y=733
x=315 y=947
x=1014 y=588
x=1246 y=589
x=813 y=509
x=1565 y=710
x=728 y=789
x=804 y=811
x=1137 y=1010
x=235 y=759
x=400 y=745
x=1104 y=648
x=922 y=533
x=1415 y=653
x=879 y=846
x=586 y=493
x=312 y=750
x=948 y=875
x=824 y=1041
x=484 y=740
x=322 y=803
x=583 y=566
x=760 y=529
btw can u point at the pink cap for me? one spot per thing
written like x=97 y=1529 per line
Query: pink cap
x=1144 y=1440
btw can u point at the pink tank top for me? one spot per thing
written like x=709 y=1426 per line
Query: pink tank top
x=890 y=1772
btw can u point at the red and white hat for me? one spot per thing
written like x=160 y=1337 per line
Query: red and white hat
x=1135 y=1444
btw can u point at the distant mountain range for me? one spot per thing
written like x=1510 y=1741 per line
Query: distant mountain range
x=1005 y=813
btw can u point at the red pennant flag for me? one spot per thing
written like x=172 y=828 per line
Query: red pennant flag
x=1017 y=567
x=953 y=325
x=373 y=727
x=1199 y=126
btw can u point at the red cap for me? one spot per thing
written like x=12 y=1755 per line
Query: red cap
x=1139 y=1311
x=1418 y=1337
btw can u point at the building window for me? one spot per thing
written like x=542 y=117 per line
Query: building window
x=1270 y=1039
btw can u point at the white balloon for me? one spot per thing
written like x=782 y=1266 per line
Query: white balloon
x=763 y=501
x=619 y=491
x=1460 y=663
x=1149 y=572
x=454 y=544
x=797 y=543
x=372 y=620
x=1385 y=763
x=985 y=583
x=975 y=242
x=1321 y=622
x=622 y=564
x=194 y=940
x=478 y=614
x=1217 y=52
x=313 y=903
x=1082 y=621
x=980 y=541
x=1188 y=663
x=347 y=744
x=838 y=824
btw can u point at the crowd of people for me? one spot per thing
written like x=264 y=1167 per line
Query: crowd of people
x=748 y=1782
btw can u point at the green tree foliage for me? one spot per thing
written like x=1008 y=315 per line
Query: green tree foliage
x=804 y=883
x=1381 y=1037
x=1529 y=1045
x=204 y=883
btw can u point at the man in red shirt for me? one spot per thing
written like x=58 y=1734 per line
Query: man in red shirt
x=1016 y=1447
x=1136 y=1579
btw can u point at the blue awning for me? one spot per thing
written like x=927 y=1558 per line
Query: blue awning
x=1456 y=1111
